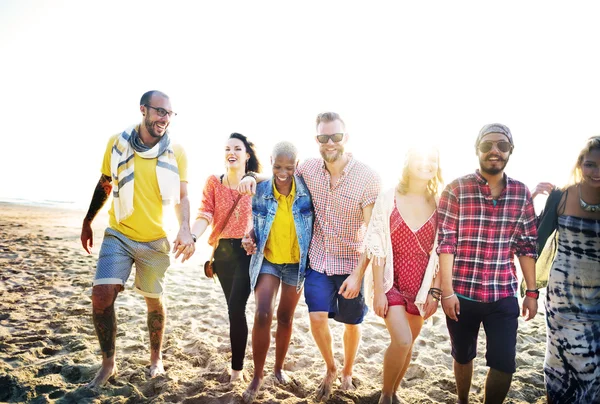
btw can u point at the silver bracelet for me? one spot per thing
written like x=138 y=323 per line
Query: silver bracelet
x=449 y=296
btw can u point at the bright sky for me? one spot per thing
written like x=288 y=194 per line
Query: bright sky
x=72 y=73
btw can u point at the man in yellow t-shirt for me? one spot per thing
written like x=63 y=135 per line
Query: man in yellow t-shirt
x=144 y=171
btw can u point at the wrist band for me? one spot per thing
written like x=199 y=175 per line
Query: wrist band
x=533 y=293
x=250 y=174
x=449 y=296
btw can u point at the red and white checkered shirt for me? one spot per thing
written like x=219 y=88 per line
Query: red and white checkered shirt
x=484 y=238
x=339 y=226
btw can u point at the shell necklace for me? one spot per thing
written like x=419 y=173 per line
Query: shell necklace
x=586 y=206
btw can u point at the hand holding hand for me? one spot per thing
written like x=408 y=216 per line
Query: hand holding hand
x=249 y=244
x=184 y=245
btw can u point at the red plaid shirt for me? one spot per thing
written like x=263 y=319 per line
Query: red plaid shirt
x=484 y=238
x=339 y=224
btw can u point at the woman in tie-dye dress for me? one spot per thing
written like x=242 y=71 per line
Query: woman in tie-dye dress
x=572 y=365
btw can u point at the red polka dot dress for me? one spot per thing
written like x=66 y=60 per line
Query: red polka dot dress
x=411 y=255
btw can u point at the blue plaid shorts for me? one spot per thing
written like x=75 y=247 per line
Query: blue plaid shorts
x=117 y=256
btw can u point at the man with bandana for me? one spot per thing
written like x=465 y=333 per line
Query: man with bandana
x=486 y=218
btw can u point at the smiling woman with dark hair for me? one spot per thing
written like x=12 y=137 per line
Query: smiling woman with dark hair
x=230 y=215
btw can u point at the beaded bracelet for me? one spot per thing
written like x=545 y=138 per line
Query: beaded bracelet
x=435 y=293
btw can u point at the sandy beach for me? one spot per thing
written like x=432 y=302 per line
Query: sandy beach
x=49 y=351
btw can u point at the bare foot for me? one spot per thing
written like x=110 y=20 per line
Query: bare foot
x=281 y=376
x=106 y=372
x=252 y=391
x=383 y=399
x=157 y=369
x=236 y=376
x=324 y=390
x=347 y=383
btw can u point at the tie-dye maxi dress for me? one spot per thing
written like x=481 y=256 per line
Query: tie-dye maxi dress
x=572 y=364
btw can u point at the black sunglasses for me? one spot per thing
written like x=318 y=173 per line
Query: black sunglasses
x=161 y=111
x=487 y=145
x=336 y=137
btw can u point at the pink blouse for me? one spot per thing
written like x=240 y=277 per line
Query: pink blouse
x=217 y=200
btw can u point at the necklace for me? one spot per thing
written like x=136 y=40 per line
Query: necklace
x=494 y=188
x=498 y=185
x=586 y=206
x=235 y=211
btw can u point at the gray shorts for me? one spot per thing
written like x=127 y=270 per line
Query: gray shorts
x=288 y=273
x=117 y=256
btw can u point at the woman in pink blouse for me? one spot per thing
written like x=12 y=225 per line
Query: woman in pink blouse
x=230 y=260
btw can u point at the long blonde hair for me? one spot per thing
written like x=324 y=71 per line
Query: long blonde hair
x=592 y=143
x=433 y=186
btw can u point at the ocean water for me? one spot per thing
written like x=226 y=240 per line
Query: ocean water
x=47 y=203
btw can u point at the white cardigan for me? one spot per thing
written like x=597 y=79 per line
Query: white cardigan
x=378 y=246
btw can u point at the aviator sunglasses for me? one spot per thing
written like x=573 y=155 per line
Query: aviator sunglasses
x=335 y=138
x=487 y=145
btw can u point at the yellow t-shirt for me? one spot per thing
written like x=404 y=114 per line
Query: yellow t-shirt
x=282 y=244
x=146 y=222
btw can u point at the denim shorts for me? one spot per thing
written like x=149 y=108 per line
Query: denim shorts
x=500 y=321
x=288 y=273
x=117 y=256
x=321 y=294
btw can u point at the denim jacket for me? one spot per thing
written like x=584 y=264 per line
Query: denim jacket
x=264 y=207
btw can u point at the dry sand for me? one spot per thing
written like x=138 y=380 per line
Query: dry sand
x=48 y=349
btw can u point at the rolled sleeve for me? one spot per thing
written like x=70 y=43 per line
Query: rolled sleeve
x=372 y=189
x=447 y=222
x=527 y=241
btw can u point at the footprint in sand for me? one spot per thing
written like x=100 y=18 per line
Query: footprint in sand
x=56 y=394
x=12 y=390
x=71 y=374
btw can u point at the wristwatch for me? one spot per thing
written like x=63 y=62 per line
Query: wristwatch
x=250 y=174
x=533 y=293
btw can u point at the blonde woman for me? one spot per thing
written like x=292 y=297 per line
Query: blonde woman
x=401 y=240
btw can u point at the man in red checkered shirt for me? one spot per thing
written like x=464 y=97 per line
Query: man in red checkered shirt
x=484 y=220
x=343 y=191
